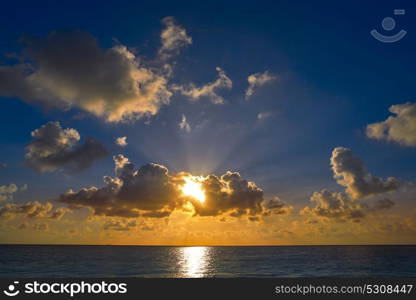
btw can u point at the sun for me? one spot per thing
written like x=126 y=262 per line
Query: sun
x=193 y=189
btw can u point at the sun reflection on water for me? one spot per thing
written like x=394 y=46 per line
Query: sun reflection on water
x=194 y=262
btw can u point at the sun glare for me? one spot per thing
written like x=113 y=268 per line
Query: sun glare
x=193 y=189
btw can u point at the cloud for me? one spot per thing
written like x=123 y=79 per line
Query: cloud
x=173 y=38
x=3 y=166
x=264 y=115
x=276 y=206
x=58 y=213
x=150 y=188
x=257 y=80
x=383 y=204
x=54 y=148
x=184 y=125
x=145 y=227
x=41 y=226
x=7 y=191
x=119 y=225
x=22 y=226
x=70 y=69
x=229 y=193
x=121 y=141
x=32 y=210
x=207 y=91
x=351 y=172
x=335 y=205
x=156 y=214
x=341 y=206
x=153 y=192
x=400 y=128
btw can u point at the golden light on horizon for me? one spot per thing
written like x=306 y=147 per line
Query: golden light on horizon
x=193 y=189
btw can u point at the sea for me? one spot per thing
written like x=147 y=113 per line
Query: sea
x=67 y=261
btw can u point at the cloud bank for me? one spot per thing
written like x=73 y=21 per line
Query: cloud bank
x=7 y=191
x=121 y=141
x=173 y=38
x=151 y=191
x=350 y=172
x=184 y=124
x=32 y=210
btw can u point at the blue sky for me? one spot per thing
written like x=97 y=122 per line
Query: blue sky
x=333 y=79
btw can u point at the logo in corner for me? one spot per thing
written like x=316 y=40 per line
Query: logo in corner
x=11 y=289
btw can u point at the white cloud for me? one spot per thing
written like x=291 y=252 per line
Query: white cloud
x=121 y=141
x=257 y=80
x=173 y=38
x=400 y=128
x=184 y=125
x=209 y=90
x=119 y=225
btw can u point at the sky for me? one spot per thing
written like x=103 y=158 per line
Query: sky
x=267 y=123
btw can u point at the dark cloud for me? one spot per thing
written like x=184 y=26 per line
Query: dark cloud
x=146 y=227
x=22 y=226
x=58 y=213
x=31 y=210
x=54 y=148
x=3 y=166
x=351 y=172
x=257 y=80
x=121 y=141
x=70 y=69
x=400 y=128
x=209 y=90
x=152 y=192
x=276 y=206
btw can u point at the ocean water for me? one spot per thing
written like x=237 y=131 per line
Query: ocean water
x=25 y=261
